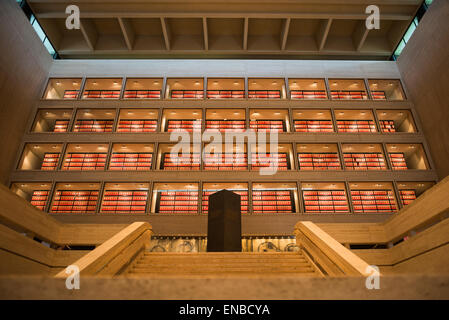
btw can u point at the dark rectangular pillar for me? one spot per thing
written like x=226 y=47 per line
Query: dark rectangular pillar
x=224 y=227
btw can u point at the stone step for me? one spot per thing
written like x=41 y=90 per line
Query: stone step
x=195 y=259
x=206 y=269
x=221 y=263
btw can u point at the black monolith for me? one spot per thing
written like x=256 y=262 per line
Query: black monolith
x=224 y=227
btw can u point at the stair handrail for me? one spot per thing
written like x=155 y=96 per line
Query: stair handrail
x=114 y=255
x=328 y=254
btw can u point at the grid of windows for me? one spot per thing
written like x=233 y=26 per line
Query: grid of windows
x=264 y=94
x=356 y=126
x=226 y=125
x=261 y=160
x=50 y=161
x=142 y=94
x=182 y=161
x=243 y=199
x=319 y=161
x=273 y=201
x=225 y=94
x=364 y=161
x=314 y=126
x=187 y=94
x=308 y=94
x=387 y=125
x=75 y=201
x=61 y=126
x=83 y=125
x=84 y=161
x=398 y=161
x=189 y=125
x=134 y=125
x=268 y=125
x=124 y=201
x=325 y=201
x=379 y=95
x=101 y=94
x=177 y=201
x=348 y=95
x=225 y=161
x=39 y=198
x=71 y=94
x=366 y=201
x=407 y=196
x=130 y=161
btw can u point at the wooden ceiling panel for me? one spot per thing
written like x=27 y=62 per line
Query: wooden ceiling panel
x=311 y=29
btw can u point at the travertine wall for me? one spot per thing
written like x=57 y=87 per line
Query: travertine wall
x=24 y=66
x=424 y=66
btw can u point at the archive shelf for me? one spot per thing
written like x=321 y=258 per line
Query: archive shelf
x=308 y=94
x=386 y=89
x=392 y=121
x=319 y=161
x=226 y=125
x=243 y=200
x=325 y=201
x=226 y=161
x=409 y=191
x=266 y=88
x=62 y=88
x=52 y=120
x=225 y=94
x=181 y=201
x=307 y=89
x=131 y=198
x=126 y=161
x=84 y=161
x=364 y=161
x=273 y=201
x=265 y=160
x=187 y=94
x=264 y=94
x=85 y=157
x=143 y=88
x=142 y=94
x=189 y=161
x=102 y=88
x=189 y=125
x=366 y=201
x=225 y=88
x=74 y=201
x=50 y=162
x=348 y=89
x=40 y=156
x=267 y=125
x=407 y=156
x=39 y=199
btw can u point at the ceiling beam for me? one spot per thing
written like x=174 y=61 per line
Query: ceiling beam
x=205 y=34
x=128 y=32
x=284 y=32
x=166 y=32
x=89 y=32
x=245 y=34
x=359 y=35
x=323 y=31
x=302 y=15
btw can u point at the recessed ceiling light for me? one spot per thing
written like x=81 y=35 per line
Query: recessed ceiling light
x=236 y=82
x=156 y=82
x=54 y=147
x=23 y=185
x=43 y=185
x=68 y=185
x=36 y=147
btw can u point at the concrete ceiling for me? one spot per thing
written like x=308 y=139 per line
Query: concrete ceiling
x=296 y=29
